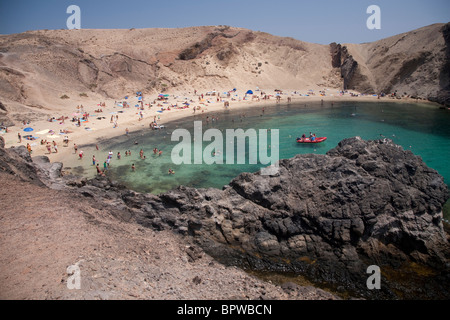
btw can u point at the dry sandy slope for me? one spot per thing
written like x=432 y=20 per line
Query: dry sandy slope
x=43 y=231
x=37 y=68
x=410 y=62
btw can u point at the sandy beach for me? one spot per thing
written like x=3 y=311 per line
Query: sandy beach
x=106 y=125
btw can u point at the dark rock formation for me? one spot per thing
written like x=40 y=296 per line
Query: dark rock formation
x=195 y=50
x=340 y=58
x=335 y=50
x=327 y=217
x=2 y=107
x=18 y=162
x=443 y=96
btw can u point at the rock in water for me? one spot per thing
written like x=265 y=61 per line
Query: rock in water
x=326 y=216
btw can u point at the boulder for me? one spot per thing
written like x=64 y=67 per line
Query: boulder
x=326 y=216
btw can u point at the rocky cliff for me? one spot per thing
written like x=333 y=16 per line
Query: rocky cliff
x=327 y=217
x=415 y=64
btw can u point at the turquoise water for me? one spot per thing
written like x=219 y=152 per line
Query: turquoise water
x=423 y=129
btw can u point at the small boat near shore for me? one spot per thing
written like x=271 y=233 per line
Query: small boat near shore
x=308 y=140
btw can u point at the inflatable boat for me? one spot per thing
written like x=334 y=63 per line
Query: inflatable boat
x=308 y=140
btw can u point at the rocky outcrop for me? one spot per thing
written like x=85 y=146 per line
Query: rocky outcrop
x=18 y=162
x=325 y=216
x=335 y=51
x=340 y=58
x=443 y=96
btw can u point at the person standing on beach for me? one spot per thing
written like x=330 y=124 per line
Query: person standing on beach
x=133 y=168
x=75 y=147
x=93 y=160
x=20 y=137
x=99 y=172
x=49 y=148
x=29 y=148
x=127 y=131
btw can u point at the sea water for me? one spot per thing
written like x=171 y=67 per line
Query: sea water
x=423 y=129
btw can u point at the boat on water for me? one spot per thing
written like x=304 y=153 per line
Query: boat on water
x=308 y=140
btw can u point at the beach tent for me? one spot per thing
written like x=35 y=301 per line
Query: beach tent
x=249 y=92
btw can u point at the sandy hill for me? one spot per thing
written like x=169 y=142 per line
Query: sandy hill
x=38 y=68
x=417 y=62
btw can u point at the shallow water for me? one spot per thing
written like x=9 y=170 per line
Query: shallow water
x=423 y=129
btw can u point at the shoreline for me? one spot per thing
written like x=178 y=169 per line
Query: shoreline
x=95 y=131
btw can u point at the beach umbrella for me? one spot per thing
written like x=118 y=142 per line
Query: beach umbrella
x=249 y=92
x=28 y=129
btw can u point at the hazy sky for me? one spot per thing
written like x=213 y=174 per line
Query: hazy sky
x=319 y=21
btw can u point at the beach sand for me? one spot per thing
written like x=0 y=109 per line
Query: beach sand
x=94 y=131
